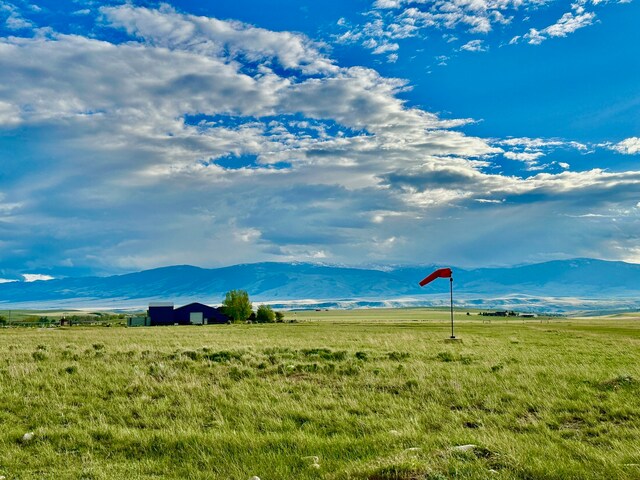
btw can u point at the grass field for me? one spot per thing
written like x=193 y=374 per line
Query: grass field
x=369 y=394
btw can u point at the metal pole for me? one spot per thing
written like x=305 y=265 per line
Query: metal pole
x=451 y=289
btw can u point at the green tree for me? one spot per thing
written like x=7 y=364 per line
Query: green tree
x=236 y=305
x=265 y=314
x=279 y=317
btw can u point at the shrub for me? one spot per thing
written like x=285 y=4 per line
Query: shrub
x=39 y=355
x=398 y=356
x=362 y=356
x=265 y=314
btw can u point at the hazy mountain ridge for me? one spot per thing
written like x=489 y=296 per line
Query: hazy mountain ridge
x=615 y=283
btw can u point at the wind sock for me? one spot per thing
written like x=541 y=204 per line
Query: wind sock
x=440 y=273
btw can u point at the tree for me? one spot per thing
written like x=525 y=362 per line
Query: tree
x=236 y=305
x=279 y=317
x=265 y=314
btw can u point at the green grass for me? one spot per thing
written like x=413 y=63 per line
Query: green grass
x=373 y=394
x=46 y=317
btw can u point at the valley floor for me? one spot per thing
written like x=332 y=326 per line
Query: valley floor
x=374 y=394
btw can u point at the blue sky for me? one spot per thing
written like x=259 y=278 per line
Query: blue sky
x=140 y=134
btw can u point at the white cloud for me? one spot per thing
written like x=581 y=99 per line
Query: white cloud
x=6 y=280
x=474 y=46
x=13 y=18
x=185 y=145
x=542 y=143
x=9 y=114
x=531 y=142
x=217 y=38
x=247 y=235
x=568 y=23
x=36 y=277
x=399 y=19
x=629 y=146
x=385 y=47
x=524 y=156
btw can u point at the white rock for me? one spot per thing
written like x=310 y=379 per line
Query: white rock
x=254 y=478
x=27 y=437
x=465 y=448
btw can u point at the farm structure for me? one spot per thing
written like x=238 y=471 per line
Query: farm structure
x=191 y=314
x=507 y=313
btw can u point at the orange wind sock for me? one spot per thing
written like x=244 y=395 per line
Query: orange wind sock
x=440 y=273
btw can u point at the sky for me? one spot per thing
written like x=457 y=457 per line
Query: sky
x=470 y=133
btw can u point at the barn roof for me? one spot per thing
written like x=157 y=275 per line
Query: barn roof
x=195 y=304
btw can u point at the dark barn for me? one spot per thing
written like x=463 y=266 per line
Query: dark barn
x=192 y=314
x=161 y=313
x=199 y=314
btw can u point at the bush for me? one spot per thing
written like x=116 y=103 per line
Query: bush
x=39 y=355
x=265 y=314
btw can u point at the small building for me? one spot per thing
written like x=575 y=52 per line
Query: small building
x=138 y=321
x=163 y=313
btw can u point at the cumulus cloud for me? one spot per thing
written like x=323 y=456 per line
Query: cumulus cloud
x=394 y=20
x=12 y=16
x=218 y=38
x=214 y=142
x=628 y=146
x=568 y=23
x=531 y=150
x=530 y=158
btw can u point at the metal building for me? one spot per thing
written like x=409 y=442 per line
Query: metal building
x=162 y=313
x=199 y=314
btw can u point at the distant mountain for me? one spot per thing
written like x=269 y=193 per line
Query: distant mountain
x=578 y=283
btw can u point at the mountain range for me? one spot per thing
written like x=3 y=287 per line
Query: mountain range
x=556 y=286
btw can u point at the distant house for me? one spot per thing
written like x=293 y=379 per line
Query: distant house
x=500 y=313
x=162 y=313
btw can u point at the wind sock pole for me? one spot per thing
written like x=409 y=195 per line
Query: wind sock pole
x=442 y=273
x=451 y=289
